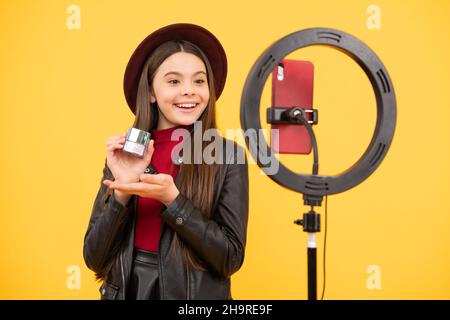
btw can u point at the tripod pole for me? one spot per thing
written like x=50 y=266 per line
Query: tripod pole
x=312 y=266
x=311 y=225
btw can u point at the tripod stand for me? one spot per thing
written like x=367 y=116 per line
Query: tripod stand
x=311 y=224
x=311 y=220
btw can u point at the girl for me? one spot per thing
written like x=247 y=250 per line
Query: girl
x=178 y=233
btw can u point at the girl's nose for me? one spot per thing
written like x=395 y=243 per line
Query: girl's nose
x=187 y=89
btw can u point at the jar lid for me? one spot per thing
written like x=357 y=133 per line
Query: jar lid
x=138 y=136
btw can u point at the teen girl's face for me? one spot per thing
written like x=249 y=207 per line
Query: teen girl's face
x=180 y=87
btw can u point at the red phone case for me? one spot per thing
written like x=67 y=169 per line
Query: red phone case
x=294 y=89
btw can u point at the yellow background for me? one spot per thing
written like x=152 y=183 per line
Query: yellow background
x=61 y=97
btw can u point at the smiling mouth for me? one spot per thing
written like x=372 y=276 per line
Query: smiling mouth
x=186 y=105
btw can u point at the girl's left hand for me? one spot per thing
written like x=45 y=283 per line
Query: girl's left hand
x=159 y=186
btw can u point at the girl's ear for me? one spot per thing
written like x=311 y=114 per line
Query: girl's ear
x=152 y=96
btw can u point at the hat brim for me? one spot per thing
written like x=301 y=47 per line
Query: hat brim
x=195 y=34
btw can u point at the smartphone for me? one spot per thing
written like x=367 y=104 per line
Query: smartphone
x=292 y=86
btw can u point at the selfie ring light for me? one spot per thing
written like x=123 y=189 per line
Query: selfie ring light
x=317 y=185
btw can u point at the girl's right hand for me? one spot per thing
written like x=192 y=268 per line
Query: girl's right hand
x=125 y=167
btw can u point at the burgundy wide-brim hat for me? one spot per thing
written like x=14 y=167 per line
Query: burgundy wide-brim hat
x=197 y=35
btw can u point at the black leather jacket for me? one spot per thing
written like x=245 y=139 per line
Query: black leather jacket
x=219 y=242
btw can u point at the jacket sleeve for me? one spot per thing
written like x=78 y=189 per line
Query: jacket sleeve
x=219 y=241
x=104 y=233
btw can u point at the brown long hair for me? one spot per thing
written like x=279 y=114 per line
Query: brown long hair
x=196 y=180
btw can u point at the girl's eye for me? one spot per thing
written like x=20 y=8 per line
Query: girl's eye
x=200 y=81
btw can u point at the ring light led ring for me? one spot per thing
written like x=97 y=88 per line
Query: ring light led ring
x=385 y=101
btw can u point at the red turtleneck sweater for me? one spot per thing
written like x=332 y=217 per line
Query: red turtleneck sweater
x=148 y=219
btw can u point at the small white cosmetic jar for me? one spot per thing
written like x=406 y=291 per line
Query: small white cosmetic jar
x=136 y=142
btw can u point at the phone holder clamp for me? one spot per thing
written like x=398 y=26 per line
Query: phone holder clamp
x=283 y=115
